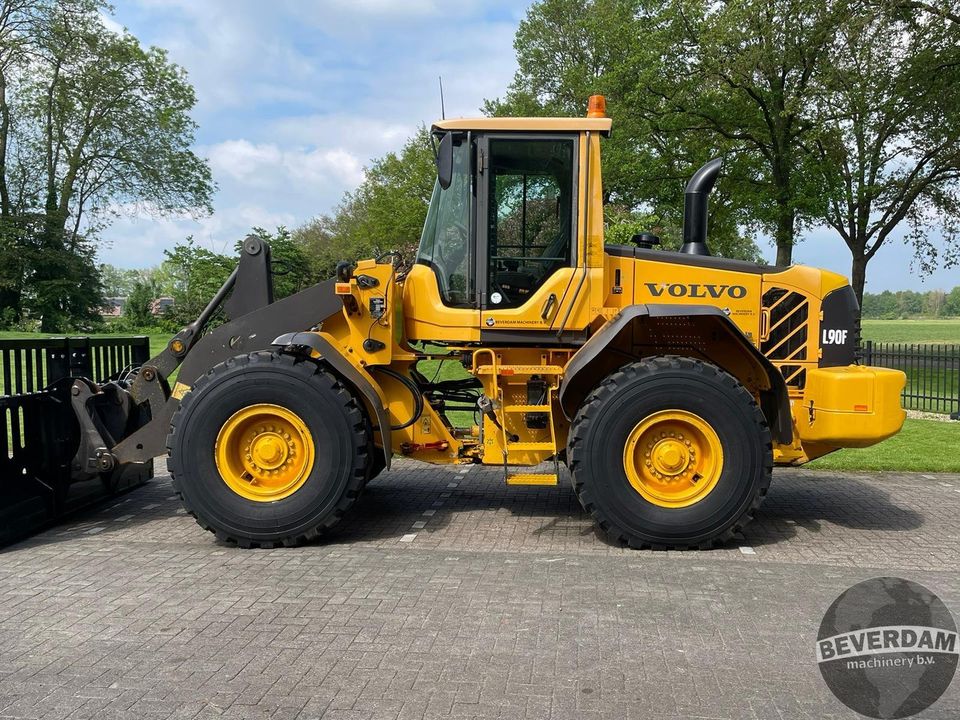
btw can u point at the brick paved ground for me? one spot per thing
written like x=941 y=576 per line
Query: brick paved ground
x=448 y=595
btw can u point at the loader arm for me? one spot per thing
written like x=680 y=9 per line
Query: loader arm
x=255 y=321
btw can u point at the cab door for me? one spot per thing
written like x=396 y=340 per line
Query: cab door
x=526 y=232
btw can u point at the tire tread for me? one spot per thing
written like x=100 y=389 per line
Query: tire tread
x=316 y=372
x=610 y=387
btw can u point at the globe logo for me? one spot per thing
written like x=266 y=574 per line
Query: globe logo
x=887 y=648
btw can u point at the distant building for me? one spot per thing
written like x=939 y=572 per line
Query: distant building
x=113 y=307
x=161 y=305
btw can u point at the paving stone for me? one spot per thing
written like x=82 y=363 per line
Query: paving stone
x=505 y=603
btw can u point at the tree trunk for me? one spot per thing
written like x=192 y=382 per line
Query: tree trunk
x=858 y=275
x=4 y=135
x=783 y=235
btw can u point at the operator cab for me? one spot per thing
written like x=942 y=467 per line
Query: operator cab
x=509 y=232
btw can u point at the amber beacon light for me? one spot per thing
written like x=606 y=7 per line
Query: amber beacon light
x=597 y=106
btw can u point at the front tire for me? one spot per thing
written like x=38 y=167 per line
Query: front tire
x=670 y=452
x=268 y=450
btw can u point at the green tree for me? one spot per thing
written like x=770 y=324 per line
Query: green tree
x=138 y=309
x=951 y=304
x=909 y=303
x=888 y=305
x=96 y=122
x=191 y=275
x=891 y=113
x=687 y=81
x=743 y=77
x=933 y=303
x=119 y=282
x=870 y=308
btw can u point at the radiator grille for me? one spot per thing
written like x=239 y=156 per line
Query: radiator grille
x=787 y=333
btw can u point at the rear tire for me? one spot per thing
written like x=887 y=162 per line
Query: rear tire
x=334 y=447
x=715 y=490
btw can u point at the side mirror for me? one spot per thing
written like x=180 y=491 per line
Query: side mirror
x=445 y=160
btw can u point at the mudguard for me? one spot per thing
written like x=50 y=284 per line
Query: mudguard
x=577 y=379
x=329 y=353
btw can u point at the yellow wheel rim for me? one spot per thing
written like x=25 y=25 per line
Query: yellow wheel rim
x=264 y=452
x=673 y=458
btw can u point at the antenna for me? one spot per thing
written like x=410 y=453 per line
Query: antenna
x=443 y=112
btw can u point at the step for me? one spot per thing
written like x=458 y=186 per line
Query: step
x=521 y=370
x=531 y=479
x=531 y=446
x=526 y=408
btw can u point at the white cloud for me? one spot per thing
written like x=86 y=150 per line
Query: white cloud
x=266 y=163
x=139 y=239
x=380 y=8
x=241 y=159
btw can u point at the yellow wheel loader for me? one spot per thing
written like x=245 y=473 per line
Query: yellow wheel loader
x=669 y=383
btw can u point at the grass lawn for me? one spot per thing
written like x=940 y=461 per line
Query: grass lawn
x=922 y=446
x=912 y=331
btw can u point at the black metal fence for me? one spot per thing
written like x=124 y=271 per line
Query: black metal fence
x=933 y=373
x=38 y=432
x=29 y=365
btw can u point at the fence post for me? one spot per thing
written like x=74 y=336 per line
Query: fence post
x=868 y=352
x=58 y=361
x=78 y=355
x=141 y=350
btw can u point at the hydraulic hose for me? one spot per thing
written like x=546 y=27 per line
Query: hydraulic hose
x=414 y=390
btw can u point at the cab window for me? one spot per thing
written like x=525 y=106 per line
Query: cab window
x=445 y=243
x=529 y=216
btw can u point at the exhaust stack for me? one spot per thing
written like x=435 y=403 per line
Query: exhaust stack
x=695 y=200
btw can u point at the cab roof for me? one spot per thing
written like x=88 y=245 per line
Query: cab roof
x=527 y=124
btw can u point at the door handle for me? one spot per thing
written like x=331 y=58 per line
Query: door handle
x=548 y=306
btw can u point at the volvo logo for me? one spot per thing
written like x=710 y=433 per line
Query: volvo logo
x=697 y=290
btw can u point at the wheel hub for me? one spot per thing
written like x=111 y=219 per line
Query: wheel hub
x=264 y=452
x=269 y=451
x=670 y=457
x=673 y=458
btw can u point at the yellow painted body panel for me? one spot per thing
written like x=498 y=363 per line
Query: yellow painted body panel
x=737 y=293
x=532 y=479
x=440 y=322
x=853 y=406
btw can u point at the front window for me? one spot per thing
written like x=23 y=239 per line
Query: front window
x=445 y=243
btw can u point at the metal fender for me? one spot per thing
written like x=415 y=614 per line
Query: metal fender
x=775 y=402
x=359 y=380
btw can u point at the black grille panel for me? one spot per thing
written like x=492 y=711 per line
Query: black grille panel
x=794 y=375
x=787 y=332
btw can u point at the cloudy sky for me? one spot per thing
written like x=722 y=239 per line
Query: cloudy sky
x=296 y=97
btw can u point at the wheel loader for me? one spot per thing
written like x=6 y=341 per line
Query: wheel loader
x=668 y=383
